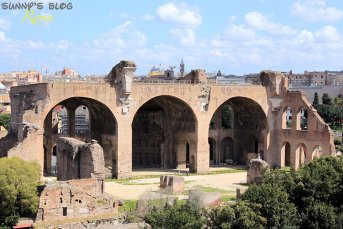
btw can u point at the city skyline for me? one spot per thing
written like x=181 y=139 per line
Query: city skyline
x=238 y=38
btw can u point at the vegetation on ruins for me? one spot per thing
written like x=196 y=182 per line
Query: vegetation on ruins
x=311 y=197
x=18 y=190
x=5 y=120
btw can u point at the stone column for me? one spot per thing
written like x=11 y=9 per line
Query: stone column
x=48 y=143
x=123 y=157
x=202 y=157
x=71 y=119
x=294 y=157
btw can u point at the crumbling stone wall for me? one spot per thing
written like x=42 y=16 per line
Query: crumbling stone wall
x=79 y=160
x=74 y=199
x=196 y=76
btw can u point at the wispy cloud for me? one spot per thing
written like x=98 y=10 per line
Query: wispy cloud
x=316 y=10
x=258 y=21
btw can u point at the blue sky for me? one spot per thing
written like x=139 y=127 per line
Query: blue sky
x=235 y=37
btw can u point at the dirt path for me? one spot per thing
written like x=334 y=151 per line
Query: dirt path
x=132 y=189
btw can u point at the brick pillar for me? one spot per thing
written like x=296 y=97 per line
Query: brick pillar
x=202 y=152
x=48 y=144
x=71 y=120
x=123 y=158
x=294 y=157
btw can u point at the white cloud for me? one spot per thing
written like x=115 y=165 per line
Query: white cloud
x=179 y=13
x=2 y=37
x=240 y=32
x=315 y=10
x=122 y=36
x=4 y=24
x=328 y=33
x=258 y=21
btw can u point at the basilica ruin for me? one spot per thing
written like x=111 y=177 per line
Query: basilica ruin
x=169 y=123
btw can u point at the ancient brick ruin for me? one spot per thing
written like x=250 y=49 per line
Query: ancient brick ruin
x=80 y=189
x=170 y=124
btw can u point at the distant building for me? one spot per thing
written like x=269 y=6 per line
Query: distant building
x=160 y=73
x=82 y=123
x=182 y=68
x=30 y=77
x=314 y=78
x=156 y=72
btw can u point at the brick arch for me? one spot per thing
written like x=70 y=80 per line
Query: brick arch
x=286 y=152
x=134 y=109
x=285 y=123
x=300 y=124
x=300 y=154
x=161 y=127
x=104 y=127
x=316 y=151
x=250 y=99
x=52 y=104
x=249 y=118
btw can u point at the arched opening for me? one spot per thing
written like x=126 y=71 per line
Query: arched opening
x=287 y=118
x=317 y=152
x=163 y=131
x=212 y=148
x=286 y=154
x=82 y=122
x=302 y=119
x=301 y=154
x=54 y=161
x=246 y=126
x=73 y=118
x=227 y=149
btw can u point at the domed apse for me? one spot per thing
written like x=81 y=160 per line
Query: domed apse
x=83 y=119
x=163 y=134
x=239 y=128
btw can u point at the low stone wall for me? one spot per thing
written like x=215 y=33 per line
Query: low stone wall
x=74 y=199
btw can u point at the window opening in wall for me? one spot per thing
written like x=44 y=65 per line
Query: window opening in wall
x=64 y=211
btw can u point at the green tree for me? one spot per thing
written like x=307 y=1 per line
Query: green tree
x=183 y=216
x=326 y=99
x=315 y=100
x=323 y=181
x=18 y=189
x=5 y=120
x=248 y=216
x=320 y=215
x=276 y=207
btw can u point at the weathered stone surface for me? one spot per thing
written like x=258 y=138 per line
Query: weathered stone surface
x=196 y=76
x=79 y=160
x=204 y=199
x=74 y=199
x=256 y=170
x=172 y=184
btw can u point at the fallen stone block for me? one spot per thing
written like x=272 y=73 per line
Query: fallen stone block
x=172 y=184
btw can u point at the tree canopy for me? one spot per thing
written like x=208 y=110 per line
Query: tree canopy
x=18 y=189
x=311 y=197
